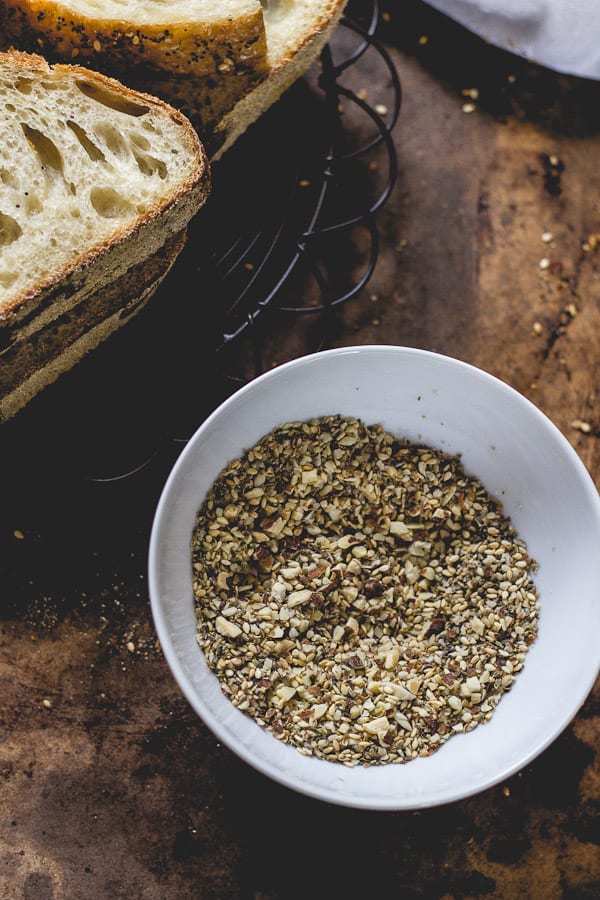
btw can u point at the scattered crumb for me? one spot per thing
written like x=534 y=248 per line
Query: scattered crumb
x=591 y=243
x=584 y=427
x=423 y=39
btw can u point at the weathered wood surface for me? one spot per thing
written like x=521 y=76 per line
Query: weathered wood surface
x=109 y=785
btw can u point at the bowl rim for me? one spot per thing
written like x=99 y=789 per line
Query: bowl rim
x=178 y=672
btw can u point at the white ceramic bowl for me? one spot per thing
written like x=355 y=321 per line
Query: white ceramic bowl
x=519 y=456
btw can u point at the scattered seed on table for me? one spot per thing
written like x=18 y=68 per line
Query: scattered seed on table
x=359 y=596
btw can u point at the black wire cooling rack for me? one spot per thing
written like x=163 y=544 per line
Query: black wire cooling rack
x=288 y=237
x=303 y=226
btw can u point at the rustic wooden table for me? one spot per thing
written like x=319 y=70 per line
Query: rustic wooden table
x=109 y=784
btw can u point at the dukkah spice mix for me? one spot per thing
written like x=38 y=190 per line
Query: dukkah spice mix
x=359 y=596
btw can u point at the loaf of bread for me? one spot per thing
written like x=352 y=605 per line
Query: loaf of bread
x=222 y=64
x=97 y=186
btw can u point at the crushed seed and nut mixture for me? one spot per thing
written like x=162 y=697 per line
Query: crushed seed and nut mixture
x=359 y=596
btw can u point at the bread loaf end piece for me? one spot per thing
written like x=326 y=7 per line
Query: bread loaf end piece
x=296 y=35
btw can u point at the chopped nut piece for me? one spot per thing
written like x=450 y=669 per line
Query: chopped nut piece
x=227 y=628
x=391 y=658
x=470 y=686
x=402 y=693
x=278 y=591
x=285 y=692
x=275 y=525
x=296 y=598
x=401 y=530
x=377 y=726
x=222 y=581
x=477 y=625
x=352 y=625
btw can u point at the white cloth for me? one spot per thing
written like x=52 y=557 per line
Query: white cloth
x=563 y=35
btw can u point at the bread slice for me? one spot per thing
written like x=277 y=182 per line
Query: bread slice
x=30 y=365
x=297 y=32
x=95 y=181
x=221 y=64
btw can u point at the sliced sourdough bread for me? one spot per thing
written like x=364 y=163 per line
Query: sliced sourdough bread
x=95 y=181
x=222 y=64
x=297 y=32
x=30 y=365
x=182 y=36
